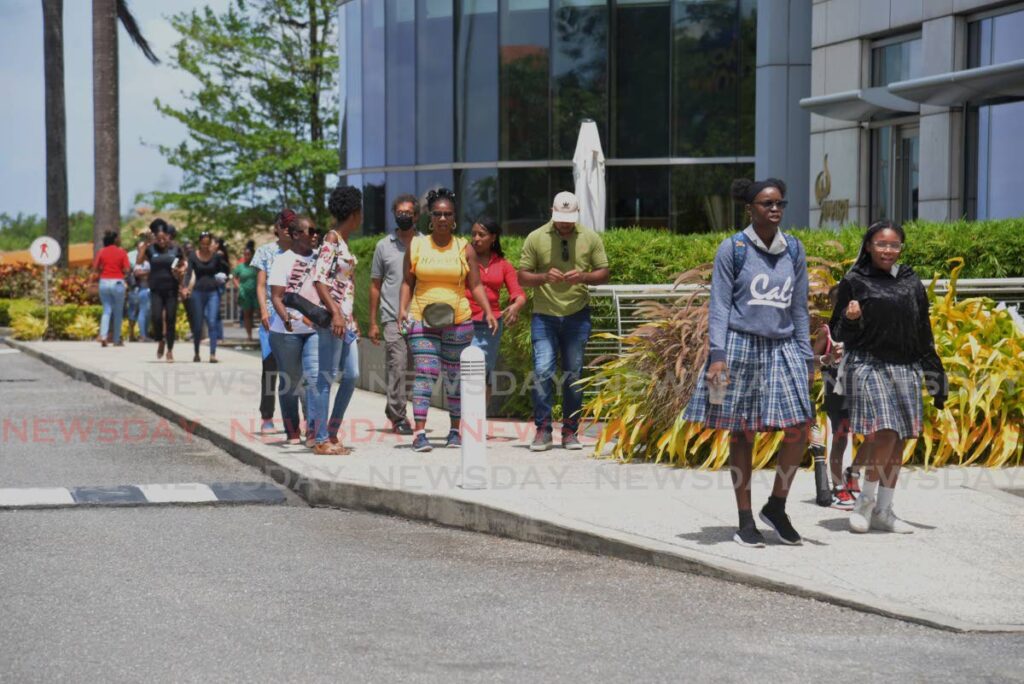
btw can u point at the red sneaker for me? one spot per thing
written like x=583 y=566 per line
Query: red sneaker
x=852 y=483
x=843 y=499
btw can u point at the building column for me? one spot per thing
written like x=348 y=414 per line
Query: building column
x=783 y=128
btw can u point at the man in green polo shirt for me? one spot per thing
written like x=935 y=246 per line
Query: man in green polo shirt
x=560 y=259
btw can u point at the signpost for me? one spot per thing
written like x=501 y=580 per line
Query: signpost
x=45 y=251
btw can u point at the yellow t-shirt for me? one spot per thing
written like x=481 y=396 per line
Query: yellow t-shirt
x=440 y=276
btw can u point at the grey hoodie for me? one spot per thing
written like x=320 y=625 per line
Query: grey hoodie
x=767 y=298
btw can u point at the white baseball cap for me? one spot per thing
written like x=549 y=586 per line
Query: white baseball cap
x=566 y=208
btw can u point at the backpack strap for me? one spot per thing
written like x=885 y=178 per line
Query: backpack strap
x=739 y=253
x=740 y=245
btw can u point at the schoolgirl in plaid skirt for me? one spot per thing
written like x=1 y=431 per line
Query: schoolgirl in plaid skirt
x=761 y=353
x=881 y=316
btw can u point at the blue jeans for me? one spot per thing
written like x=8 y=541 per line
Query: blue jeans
x=112 y=294
x=553 y=336
x=488 y=342
x=336 y=355
x=142 y=317
x=298 y=363
x=207 y=306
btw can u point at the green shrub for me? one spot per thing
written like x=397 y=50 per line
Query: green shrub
x=28 y=327
x=9 y=308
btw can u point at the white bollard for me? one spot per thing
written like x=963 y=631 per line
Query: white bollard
x=473 y=466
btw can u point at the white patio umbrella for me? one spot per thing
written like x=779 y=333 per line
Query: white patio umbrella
x=588 y=174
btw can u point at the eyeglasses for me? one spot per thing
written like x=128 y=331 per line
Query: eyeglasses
x=771 y=204
x=888 y=246
x=442 y=214
x=565 y=250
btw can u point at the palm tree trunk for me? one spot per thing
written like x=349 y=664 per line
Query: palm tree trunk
x=56 y=131
x=107 y=198
x=316 y=128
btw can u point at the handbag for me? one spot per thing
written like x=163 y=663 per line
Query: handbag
x=317 y=315
x=438 y=315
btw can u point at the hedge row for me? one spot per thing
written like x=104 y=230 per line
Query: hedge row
x=991 y=249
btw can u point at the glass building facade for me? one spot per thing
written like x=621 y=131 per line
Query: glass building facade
x=486 y=97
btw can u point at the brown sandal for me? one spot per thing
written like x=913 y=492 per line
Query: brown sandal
x=328 y=449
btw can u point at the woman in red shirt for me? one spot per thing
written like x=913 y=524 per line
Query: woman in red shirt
x=111 y=266
x=495 y=271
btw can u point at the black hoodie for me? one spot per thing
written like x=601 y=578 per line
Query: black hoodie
x=894 y=325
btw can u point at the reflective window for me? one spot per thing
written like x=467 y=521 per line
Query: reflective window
x=435 y=84
x=373 y=83
x=398 y=183
x=478 y=195
x=525 y=199
x=896 y=62
x=700 y=197
x=641 y=76
x=995 y=130
x=353 y=59
x=714 y=57
x=638 y=196
x=525 y=39
x=996 y=40
x=579 y=66
x=401 y=81
x=375 y=215
x=996 y=147
x=476 y=81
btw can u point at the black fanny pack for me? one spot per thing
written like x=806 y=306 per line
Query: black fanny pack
x=317 y=315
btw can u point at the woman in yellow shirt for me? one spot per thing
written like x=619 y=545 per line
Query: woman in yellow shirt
x=435 y=312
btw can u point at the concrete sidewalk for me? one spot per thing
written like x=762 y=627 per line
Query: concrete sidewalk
x=960 y=570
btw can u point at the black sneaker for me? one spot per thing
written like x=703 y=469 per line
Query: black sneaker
x=779 y=522
x=402 y=427
x=750 y=537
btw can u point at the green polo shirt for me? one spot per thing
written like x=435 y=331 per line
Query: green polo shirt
x=542 y=250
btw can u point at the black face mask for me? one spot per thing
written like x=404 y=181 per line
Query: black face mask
x=404 y=221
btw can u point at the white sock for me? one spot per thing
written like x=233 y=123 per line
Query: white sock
x=869 y=488
x=422 y=432
x=885 y=498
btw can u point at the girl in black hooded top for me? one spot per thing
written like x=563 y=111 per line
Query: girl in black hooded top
x=881 y=316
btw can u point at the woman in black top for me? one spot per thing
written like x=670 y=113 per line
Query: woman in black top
x=166 y=264
x=210 y=270
x=881 y=316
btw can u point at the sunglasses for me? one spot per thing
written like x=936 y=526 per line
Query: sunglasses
x=442 y=214
x=205 y=234
x=771 y=204
x=565 y=250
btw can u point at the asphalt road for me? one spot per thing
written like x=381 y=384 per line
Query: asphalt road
x=295 y=593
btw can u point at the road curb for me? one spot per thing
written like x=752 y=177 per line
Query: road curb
x=467 y=515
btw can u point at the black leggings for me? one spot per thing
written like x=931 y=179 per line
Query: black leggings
x=163 y=303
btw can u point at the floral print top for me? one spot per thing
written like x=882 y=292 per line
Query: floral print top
x=336 y=268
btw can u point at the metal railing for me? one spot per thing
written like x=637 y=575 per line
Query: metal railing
x=616 y=308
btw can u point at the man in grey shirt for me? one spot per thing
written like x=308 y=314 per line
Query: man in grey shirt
x=386 y=273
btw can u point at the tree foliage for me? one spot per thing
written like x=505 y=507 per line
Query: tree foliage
x=262 y=123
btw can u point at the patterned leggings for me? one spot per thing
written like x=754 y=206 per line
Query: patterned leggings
x=434 y=350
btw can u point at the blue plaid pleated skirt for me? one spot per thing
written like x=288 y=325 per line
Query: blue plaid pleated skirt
x=768 y=387
x=883 y=396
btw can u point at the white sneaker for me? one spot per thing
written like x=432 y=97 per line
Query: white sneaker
x=886 y=521
x=860 y=516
